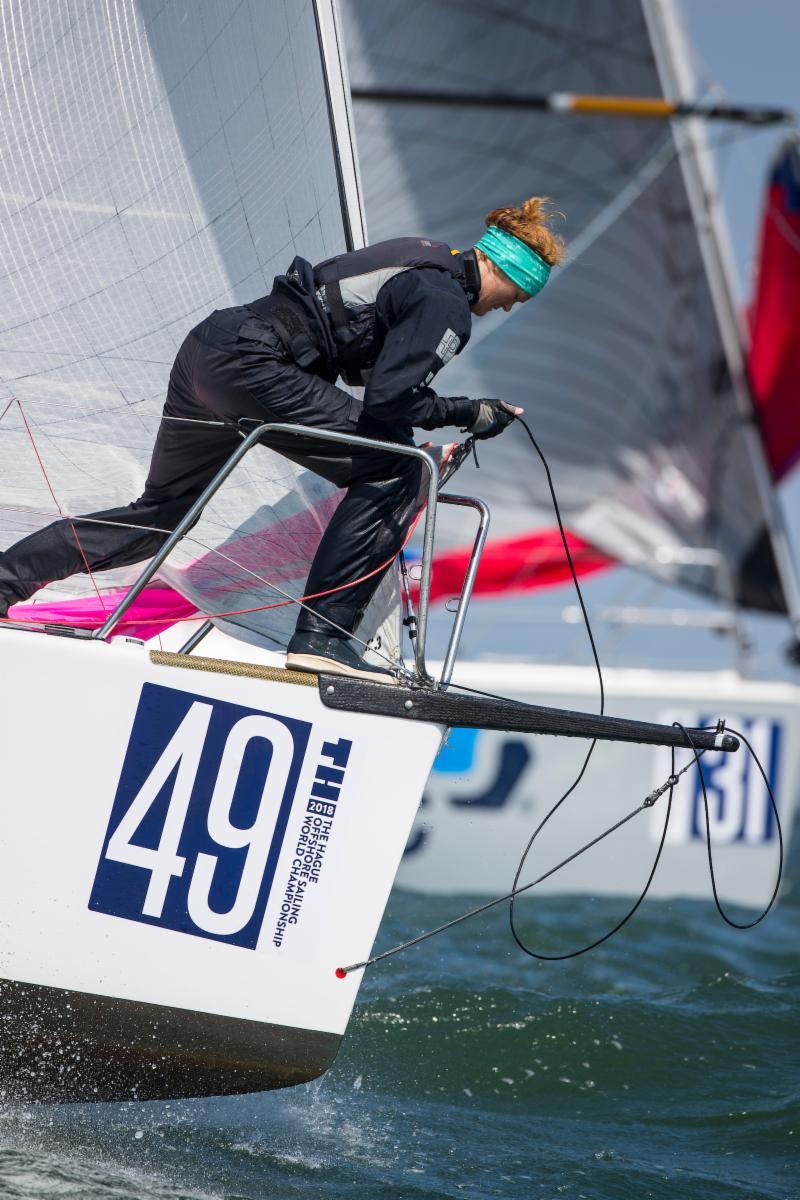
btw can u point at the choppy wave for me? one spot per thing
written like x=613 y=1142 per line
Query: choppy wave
x=663 y=1064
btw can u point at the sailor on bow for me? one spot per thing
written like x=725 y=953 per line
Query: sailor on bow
x=387 y=317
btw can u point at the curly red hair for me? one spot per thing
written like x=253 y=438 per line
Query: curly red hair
x=529 y=222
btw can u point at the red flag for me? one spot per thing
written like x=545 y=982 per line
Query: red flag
x=774 y=363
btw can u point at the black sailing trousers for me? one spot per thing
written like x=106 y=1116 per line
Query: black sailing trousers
x=233 y=366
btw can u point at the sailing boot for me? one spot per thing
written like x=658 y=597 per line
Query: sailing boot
x=330 y=654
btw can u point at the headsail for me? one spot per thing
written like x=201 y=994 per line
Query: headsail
x=157 y=164
x=622 y=363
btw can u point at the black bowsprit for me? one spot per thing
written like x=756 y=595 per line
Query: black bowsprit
x=483 y=712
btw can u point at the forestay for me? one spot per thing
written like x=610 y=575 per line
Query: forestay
x=624 y=363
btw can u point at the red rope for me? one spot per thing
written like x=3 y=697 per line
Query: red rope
x=58 y=506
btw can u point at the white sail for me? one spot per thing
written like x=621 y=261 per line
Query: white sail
x=158 y=162
x=626 y=364
x=200 y=847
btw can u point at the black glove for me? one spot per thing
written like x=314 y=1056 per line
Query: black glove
x=493 y=417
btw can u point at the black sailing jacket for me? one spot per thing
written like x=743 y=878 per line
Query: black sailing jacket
x=389 y=317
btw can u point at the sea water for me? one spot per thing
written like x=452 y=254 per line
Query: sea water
x=663 y=1064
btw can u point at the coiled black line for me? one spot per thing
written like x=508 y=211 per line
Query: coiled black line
x=729 y=920
x=696 y=756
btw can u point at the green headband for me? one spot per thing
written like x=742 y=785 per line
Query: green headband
x=519 y=262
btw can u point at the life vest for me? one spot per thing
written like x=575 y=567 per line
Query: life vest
x=347 y=287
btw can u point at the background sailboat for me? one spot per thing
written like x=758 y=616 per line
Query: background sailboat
x=633 y=372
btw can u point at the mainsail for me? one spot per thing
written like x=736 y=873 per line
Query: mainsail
x=627 y=364
x=158 y=162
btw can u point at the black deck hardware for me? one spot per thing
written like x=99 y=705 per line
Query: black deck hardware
x=477 y=712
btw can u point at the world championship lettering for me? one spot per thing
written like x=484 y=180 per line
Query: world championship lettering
x=315 y=832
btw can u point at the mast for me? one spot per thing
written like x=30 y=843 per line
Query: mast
x=340 y=113
x=672 y=61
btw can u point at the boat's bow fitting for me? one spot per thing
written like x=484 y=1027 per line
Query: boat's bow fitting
x=484 y=712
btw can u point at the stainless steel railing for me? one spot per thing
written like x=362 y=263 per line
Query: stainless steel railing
x=186 y=523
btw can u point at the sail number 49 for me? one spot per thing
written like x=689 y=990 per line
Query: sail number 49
x=199 y=815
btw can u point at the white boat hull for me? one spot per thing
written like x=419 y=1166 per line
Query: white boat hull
x=488 y=791
x=190 y=851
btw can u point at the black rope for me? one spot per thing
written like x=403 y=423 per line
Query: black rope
x=728 y=920
x=609 y=933
x=515 y=890
x=590 y=751
x=648 y=802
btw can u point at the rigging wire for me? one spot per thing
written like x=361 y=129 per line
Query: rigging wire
x=648 y=802
x=288 y=599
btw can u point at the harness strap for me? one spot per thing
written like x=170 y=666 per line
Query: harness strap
x=472 y=275
x=291 y=327
x=333 y=298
